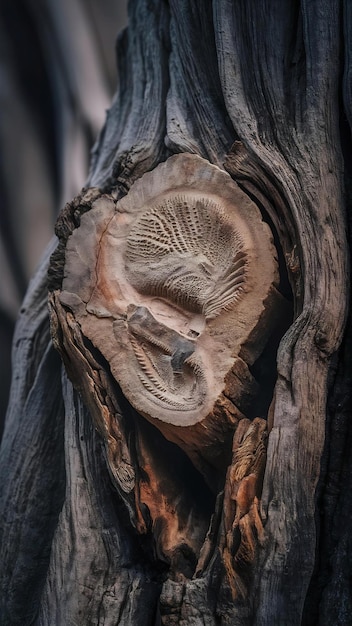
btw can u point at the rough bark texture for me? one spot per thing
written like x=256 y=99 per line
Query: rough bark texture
x=262 y=90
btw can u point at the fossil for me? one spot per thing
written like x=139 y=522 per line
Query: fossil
x=194 y=255
x=175 y=284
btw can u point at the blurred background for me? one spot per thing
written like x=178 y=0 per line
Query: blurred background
x=57 y=78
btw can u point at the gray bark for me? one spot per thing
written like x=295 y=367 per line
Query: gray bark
x=198 y=77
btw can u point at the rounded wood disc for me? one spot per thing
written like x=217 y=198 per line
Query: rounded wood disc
x=174 y=285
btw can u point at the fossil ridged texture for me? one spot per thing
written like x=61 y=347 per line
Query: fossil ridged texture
x=194 y=255
x=175 y=285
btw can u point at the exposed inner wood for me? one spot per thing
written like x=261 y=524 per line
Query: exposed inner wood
x=175 y=284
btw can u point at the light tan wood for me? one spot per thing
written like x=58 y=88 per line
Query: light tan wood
x=175 y=284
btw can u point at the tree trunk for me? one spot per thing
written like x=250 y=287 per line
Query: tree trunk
x=54 y=93
x=104 y=519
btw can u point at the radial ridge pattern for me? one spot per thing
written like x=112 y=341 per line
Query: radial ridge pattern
x=184 y=249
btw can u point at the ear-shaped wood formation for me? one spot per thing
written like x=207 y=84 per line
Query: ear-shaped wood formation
x=175 y=285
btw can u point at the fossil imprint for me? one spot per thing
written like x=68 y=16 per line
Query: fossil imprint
x=194 y=256
x=175 y=285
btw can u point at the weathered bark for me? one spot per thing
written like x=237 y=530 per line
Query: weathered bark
x=261 y=90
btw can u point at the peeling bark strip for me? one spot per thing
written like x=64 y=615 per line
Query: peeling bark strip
x=157 y=543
